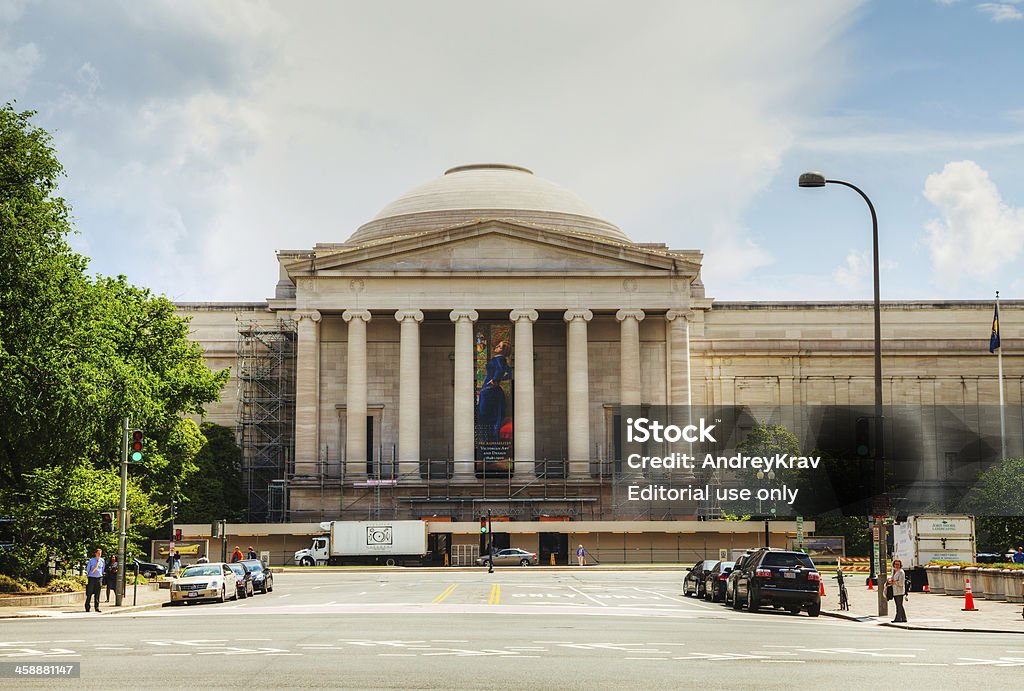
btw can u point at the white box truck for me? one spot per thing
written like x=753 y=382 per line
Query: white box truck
x=367 y=542
x=932 y=537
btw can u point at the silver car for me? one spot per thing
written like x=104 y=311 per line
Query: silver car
x=215 y=581
x=510 y=557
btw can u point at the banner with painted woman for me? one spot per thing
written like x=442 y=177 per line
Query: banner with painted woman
x=493 y=386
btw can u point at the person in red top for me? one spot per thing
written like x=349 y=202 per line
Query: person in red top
x=237 y=554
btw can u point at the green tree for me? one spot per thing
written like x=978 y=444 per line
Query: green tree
x=76 y=355
x=995 y=500
x=215 y=490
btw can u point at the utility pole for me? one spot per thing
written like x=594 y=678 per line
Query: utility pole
x=122 y=517
x=490 y=543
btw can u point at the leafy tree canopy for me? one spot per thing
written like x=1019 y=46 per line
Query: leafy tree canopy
x=78 y=354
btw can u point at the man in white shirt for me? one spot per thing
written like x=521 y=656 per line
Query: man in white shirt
x=95 y=570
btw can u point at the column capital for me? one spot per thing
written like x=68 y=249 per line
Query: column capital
x=403 y=315
x=349 y=315
x=576 y=314
x=312 y=315
x=623 y=315
x=468 y=315
x=672 y=315
x=530 y=315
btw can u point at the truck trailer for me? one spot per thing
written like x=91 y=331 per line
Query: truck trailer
x=931 y=537
x=367 y=542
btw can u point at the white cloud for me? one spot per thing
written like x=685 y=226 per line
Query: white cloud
x=221 y=132
x=850 y=276
x=978 y=233
x=1001 y=11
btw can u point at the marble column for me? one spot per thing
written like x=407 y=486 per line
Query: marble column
x=355 y=397
x=307 y=375
x=578 y=391
x=679 y=357
x=629 y=356
x=409 y=393
x=464 y=437
x=523 y=427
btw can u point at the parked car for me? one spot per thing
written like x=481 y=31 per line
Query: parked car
x=730 y=582
x=214 y=581
x=244 y=584
x=780 y=578
x=148 y=569
x=509 y=557
x=714 y=582
x=694 y=580
x=262 y=576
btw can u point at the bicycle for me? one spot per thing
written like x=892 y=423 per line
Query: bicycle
x=844 y=600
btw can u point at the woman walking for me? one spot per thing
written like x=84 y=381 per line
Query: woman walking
x=110 y=577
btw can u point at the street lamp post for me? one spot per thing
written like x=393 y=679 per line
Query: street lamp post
x=818 y=180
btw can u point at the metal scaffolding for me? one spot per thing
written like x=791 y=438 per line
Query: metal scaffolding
x=266 y=400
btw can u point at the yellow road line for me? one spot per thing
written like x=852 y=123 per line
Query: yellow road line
x=495 y=594
x=447 y=591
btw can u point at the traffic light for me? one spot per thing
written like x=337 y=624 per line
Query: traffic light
x=174 y=509
x=483 y=525
x=107 y=521
x=135 y=446
x=177 y=534
x=862 y=436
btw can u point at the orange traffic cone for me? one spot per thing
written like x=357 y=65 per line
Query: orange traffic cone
x=968 y=598
x=871 y=582
x=822 y=593
x=926 y=588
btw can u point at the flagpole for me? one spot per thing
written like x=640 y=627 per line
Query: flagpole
x=1002 y=398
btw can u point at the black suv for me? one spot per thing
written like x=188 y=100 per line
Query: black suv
x=778 y=577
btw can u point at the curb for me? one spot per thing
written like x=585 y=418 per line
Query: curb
x=109 y=611
x=911 y=627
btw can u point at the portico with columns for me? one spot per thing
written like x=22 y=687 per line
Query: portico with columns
x=386 y=390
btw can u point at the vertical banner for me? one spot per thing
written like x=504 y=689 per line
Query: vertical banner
x=493 y=387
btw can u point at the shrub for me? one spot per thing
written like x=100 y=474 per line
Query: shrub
x=63 y=585
x=11 y=585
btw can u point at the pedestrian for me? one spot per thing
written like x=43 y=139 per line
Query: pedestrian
x=177 y=564
x=237 y=554
x=252 y=553
x=95 y=571
x=581 y=556
x=110 y=577
x=1018 y=556
x=898 y=581
x=202 y=559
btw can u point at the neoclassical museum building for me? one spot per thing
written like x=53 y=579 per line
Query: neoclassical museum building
x=468 y=348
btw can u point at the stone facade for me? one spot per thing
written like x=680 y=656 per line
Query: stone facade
x=386 y=313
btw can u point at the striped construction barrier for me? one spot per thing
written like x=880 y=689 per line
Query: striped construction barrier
x=855 y=564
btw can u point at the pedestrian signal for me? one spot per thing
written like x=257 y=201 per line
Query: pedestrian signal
x=177 y=534
x=135 y=445
x=107 y=521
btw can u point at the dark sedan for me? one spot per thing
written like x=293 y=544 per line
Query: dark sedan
x=245 y=587
x=694 y=581
x=262 y=576
x=714 y=582
x=147 y=569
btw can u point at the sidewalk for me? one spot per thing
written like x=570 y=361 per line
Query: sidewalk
x=925 y=611
x=147 y=599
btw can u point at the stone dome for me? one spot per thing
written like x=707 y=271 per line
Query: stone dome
x=470 y=193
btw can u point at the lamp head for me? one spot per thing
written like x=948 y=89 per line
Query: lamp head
x=812 y=179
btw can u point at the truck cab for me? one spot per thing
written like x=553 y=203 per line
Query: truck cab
x=316 y=553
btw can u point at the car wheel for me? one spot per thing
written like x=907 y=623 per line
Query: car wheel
x=753 y=602
x=524 y=562
x=223 y=594
x=270 y=588
x=686 y=590
x=737 y=604
x=308 y=561
x=814 y=610
x=264 y=588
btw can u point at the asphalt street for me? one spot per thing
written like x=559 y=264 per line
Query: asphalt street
x=524 y=628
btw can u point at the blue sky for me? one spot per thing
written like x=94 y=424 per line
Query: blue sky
x=200 y=137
